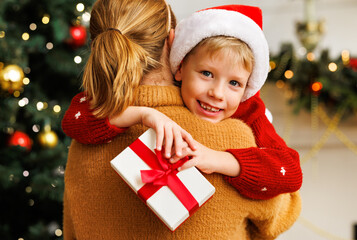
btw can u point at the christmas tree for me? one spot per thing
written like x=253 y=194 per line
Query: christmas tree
x=43 y=49
x=312 y=81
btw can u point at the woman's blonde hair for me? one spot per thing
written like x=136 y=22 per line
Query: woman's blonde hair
x=128 y=38
x=241 y=51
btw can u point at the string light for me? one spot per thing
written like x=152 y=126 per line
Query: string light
x=280 y=84
x=23 y=102
x=36 y=128
x=80 y=7
x=28 y=189
x=25 y=36
x=26 y=173
x=332 y=67
x=33 y=26
x=302 y=51
x=288 y=74
x=86 y=18
x=272 y=65
x=57 y=108
x=59 y=171
x=40 y=106
x=310 y=56
x=17 y=94
x=11 y=177
x=46 y=19
x=345 y=55
x=77 y=59
x=316 y=86
x=26 y=81
x=58 y=232
x=27 y=70
x=49 y=45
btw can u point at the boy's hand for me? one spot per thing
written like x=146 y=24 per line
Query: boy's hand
x=209 y=161
x=203 y=158
x=168 y=133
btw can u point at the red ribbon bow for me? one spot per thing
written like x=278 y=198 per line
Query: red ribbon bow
x=162 y=173
x=159 y=176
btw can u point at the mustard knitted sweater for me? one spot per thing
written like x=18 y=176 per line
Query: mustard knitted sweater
x=99 y=205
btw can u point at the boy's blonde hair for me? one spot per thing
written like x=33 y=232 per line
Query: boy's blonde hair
x=128 y=37
x=241 y=51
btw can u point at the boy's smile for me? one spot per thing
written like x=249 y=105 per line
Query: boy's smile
x=212 y=84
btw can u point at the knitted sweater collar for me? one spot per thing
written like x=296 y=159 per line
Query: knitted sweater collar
x=158 y=96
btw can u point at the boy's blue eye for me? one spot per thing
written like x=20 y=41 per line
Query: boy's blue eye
x=234 y=83
x=207 y=73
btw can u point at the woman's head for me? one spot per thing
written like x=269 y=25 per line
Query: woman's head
x=128 y=38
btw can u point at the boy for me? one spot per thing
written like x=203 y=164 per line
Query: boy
x=212 y=88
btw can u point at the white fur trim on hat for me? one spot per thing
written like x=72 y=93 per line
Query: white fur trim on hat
x=214 y=22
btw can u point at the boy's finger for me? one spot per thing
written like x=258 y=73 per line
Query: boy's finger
x=186 y=165
x=187 y=152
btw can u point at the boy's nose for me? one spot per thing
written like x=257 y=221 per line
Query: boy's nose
x=216 y=91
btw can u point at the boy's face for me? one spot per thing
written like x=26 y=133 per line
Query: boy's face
x=212 y=85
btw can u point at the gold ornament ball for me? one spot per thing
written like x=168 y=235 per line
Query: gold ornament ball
x=48 y=139
x=11 y=78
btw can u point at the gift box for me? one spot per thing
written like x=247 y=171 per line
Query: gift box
x=171 y=194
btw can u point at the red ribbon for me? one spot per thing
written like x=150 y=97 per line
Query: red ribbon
x=163 y=173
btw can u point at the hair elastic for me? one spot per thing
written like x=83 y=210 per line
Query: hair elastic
x=115 y=29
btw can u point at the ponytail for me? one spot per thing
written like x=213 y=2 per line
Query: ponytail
x=113 y=73
x=128 y=38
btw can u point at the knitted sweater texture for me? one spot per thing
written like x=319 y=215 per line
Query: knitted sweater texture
x=99 y=205
x=267 y=170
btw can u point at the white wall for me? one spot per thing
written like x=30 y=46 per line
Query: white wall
x=329 y=192
x=280 y=16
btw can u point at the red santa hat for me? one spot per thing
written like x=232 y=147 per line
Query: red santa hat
x=239 y=21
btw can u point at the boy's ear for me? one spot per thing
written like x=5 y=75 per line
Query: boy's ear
x=178 y=75
x=171 y=37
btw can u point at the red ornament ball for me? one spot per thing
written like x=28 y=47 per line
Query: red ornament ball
x=19 y=138
x=79 y=35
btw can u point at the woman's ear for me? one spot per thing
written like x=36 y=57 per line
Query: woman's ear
x=171 y=37
x=178 y=74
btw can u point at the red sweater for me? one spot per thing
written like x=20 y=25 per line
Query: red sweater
x=268 y=170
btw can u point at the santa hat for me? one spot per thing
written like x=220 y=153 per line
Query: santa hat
x=239 y=21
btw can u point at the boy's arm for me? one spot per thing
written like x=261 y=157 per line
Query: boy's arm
x=80 y=124
x=271 y=168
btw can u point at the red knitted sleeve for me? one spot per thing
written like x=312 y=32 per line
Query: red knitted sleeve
x=271 y=168
x=80 y=124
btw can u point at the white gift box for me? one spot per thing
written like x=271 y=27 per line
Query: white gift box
x=164 y=203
